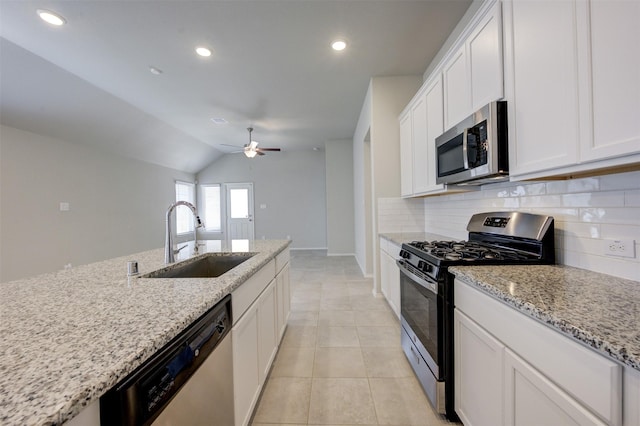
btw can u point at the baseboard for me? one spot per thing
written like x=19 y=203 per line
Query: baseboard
x=341 y=254
x=306 y=248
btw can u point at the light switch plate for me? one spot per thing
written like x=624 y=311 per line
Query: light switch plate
x=64 y=207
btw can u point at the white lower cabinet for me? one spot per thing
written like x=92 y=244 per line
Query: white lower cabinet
x=478 y=379
x=283 y=296
x=246 y=370
x=267 y=336
x=531 y=399
x=260 y=310
x=390 y=274
x=512 y=370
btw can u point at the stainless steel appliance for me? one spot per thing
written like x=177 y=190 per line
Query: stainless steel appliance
x=475 y=150
x=426 y=289
x=189 y=381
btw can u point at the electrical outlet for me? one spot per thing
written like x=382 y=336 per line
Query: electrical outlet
x=621 y=248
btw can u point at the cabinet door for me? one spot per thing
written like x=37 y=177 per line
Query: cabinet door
x=457 y=98
x=267 y=341
x=478 y=358
x=532 y=399
x=406 y=155
x=542 y=84
x=384 y=274
x=615 y=73
x=435 y=127
x=420 y=145
x=484 y=48
x=283 y=301
x=394 y=280
x=246 y=376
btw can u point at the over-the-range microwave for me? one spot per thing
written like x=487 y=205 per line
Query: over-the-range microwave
x=475 y=151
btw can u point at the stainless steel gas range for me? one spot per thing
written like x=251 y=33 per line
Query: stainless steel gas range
x=426 y=289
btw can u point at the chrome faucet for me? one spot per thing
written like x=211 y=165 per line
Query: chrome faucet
x=169 y=252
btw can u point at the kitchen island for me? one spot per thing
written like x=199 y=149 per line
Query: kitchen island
x=67 y=337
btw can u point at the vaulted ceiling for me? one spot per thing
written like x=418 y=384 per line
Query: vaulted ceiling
x=271 y=68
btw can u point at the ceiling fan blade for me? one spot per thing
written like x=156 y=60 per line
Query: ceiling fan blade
x=259 y=153
x=230 y=146
x=268 y=149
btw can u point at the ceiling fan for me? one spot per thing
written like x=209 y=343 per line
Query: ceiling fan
x=251 y=149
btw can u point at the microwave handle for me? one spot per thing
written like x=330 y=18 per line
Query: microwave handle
x=465 y=156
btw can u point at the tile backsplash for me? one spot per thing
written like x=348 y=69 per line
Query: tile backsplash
x=587 y=213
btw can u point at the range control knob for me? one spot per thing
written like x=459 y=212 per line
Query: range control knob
x=405 y=254
x=424 y=266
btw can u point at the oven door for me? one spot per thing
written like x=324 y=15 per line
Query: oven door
x=422 y=312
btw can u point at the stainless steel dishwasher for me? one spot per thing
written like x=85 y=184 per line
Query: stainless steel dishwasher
x=188 y=382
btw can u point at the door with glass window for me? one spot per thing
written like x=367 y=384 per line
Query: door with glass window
x=240 y=211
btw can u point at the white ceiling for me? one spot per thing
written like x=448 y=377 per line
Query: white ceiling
x=271 y=68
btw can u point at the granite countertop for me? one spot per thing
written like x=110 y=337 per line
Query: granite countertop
x=598 y=310
x=67 y=337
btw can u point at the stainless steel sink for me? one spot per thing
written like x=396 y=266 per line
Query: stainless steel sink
x=209 y=266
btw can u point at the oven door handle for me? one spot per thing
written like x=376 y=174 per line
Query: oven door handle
x=431 y=286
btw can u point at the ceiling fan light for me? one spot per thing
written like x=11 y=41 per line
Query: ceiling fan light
x=250 y=153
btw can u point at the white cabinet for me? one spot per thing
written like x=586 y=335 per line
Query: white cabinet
x=406 y=155
x=420 y=125
x=420 y=143
x=260 y=308
x=484 y=51
x=283 y=296
x=571 y=79
x=615 y=78
x=246 y=370
x=473 y=74
x=390 y=274
x=267 y=336
x=479 y=371
x=457 y=99
x=531 y=399
x=548 y=378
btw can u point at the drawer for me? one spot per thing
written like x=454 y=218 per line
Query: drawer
x=243 y=296
x=586 y=375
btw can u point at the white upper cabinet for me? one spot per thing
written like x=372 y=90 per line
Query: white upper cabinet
x=473 y=74
x=457 y=100
x=435 y=122
x=421 y=170
x=615 y=73
x=484 y=48
x=572 y=79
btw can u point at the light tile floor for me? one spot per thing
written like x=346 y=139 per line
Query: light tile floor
x=340 y=361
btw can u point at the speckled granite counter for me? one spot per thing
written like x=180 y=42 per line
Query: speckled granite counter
x=601 y=311
x=67 y=337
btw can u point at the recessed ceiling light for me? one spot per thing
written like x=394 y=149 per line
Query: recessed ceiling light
x=51 y=17
x=339 y=45
x=203 y=51
x=155 y=71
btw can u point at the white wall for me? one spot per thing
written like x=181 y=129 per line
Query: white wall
x=292 y=186
x=587 y=212
x=340 y=200
x=361 y=190
x=117 y=205
x=376 y=155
